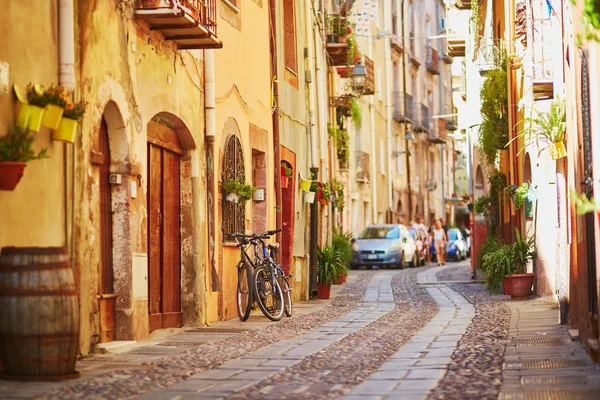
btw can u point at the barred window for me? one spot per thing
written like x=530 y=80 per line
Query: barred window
x=234 y=214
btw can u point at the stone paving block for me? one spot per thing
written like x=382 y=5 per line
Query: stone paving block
x=404 y=395
x=436 y=361
x=378 y=388
x=443 y=344
x=242 y=363
x=440 y=352
x=444 y=337
x=279 y=363
x=252 y=375
x=193 y=385
x=225 y=387
x=216 y=374
x=387 y=375
x=406 y=354
x=423 y=385
x=361 y=397
x=397 y=364
x=426 y=374
x=178 y=395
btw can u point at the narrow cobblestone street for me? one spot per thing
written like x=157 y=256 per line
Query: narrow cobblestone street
x=387 y=334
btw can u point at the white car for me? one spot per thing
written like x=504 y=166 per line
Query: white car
x=389 y=245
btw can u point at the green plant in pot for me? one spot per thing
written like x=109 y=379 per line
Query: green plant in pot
x=337 y=187
x=326 y=192
x=238 y=191
x=550 y=126
x=518 y=194
x=286 y=174
x=16 y=149
x=329 y=263
x=341 y=241
x=67 y=128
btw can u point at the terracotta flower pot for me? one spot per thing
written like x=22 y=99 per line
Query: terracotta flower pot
x=323 y=201
x=10 y=174
x=518 y=285
x=324 y=291
x=340 y=279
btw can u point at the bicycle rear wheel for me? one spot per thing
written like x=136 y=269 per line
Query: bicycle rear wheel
x=244 y=291
x=287 y=296
x=269 y=295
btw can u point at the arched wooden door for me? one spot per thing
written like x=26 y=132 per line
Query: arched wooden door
x=164 y=227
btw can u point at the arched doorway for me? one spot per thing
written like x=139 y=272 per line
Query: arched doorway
x=167 y=139
x=287 y=218
x=479 y=183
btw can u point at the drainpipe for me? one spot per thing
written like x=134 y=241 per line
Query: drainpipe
x=404 y=105
x=441 y=94
x=275 y=119
x=209 y=138
x=314 y=163
x=66 y=78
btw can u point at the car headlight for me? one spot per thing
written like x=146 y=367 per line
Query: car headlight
x=453 y=246
x=355 y=247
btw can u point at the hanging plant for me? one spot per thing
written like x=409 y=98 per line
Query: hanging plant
x=240 y=189
x=356 y=113
x=550 y=126
x=493 y=131
x=518 y=194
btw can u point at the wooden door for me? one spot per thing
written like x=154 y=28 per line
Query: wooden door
x=164 y=245
x=106 y=230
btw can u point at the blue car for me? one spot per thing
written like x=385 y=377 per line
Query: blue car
x=457 y=246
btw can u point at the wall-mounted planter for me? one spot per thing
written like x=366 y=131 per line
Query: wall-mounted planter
x=305 y=185
x=557 y=150
x=52 y=116
x=309 y=197
x=30 y=117
x=233 y=197
x=66 y=131
x=10 y=174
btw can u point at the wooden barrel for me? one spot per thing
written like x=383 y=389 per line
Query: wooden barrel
x=39 y=314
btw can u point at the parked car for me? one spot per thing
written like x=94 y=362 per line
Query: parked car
x=387 y=245
x=457 y=247
x=420 y=244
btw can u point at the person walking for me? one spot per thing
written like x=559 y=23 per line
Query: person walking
x=439 y=241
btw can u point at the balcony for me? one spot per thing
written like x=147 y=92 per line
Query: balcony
x=433 y=61
x=405 y=108
x=397 y=46
x=190 y=24
x=463 y=4
x=447 y=58
x=451 y=123
x=422 y=125
x=437 y=132
x=456 y=47
x=337 y=46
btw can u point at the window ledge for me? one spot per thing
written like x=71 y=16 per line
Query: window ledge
x=234 y=8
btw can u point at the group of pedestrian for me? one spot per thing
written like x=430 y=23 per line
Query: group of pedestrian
x=434 y=238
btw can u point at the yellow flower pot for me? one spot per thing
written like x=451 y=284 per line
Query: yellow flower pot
x=30 y=117
x=305 y=185
x=52 y=116
x=557 y=150
x=66 y=131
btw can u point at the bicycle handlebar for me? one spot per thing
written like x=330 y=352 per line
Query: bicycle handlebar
x=253 y=236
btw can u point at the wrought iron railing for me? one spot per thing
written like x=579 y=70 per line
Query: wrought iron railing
x=405 y=108
x=433 y=60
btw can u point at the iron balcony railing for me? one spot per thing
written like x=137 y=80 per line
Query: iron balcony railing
x=433 y=60
x=405 y=108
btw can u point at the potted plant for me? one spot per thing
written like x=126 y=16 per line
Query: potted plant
x=15 y=151
x=329 y=261
x=67 y=128
x=286 y=174
x=326 y=193
x=507 y=263
x=550 y=126
x=518 y=194
x=341 y=241
x=31 y=107
x=518 y=282
x=515 y=61
x=337 y=187
x=55 y=99
x=238 y=191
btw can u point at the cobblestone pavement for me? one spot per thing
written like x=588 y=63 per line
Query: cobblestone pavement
x=475 y=369
x=151 y=368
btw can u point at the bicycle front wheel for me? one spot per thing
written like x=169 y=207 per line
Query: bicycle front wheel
x=287 y=296
x=269 y=295
x=244 y=291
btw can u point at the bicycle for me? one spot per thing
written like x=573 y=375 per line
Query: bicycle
x=245 y=268
x=282 y=278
